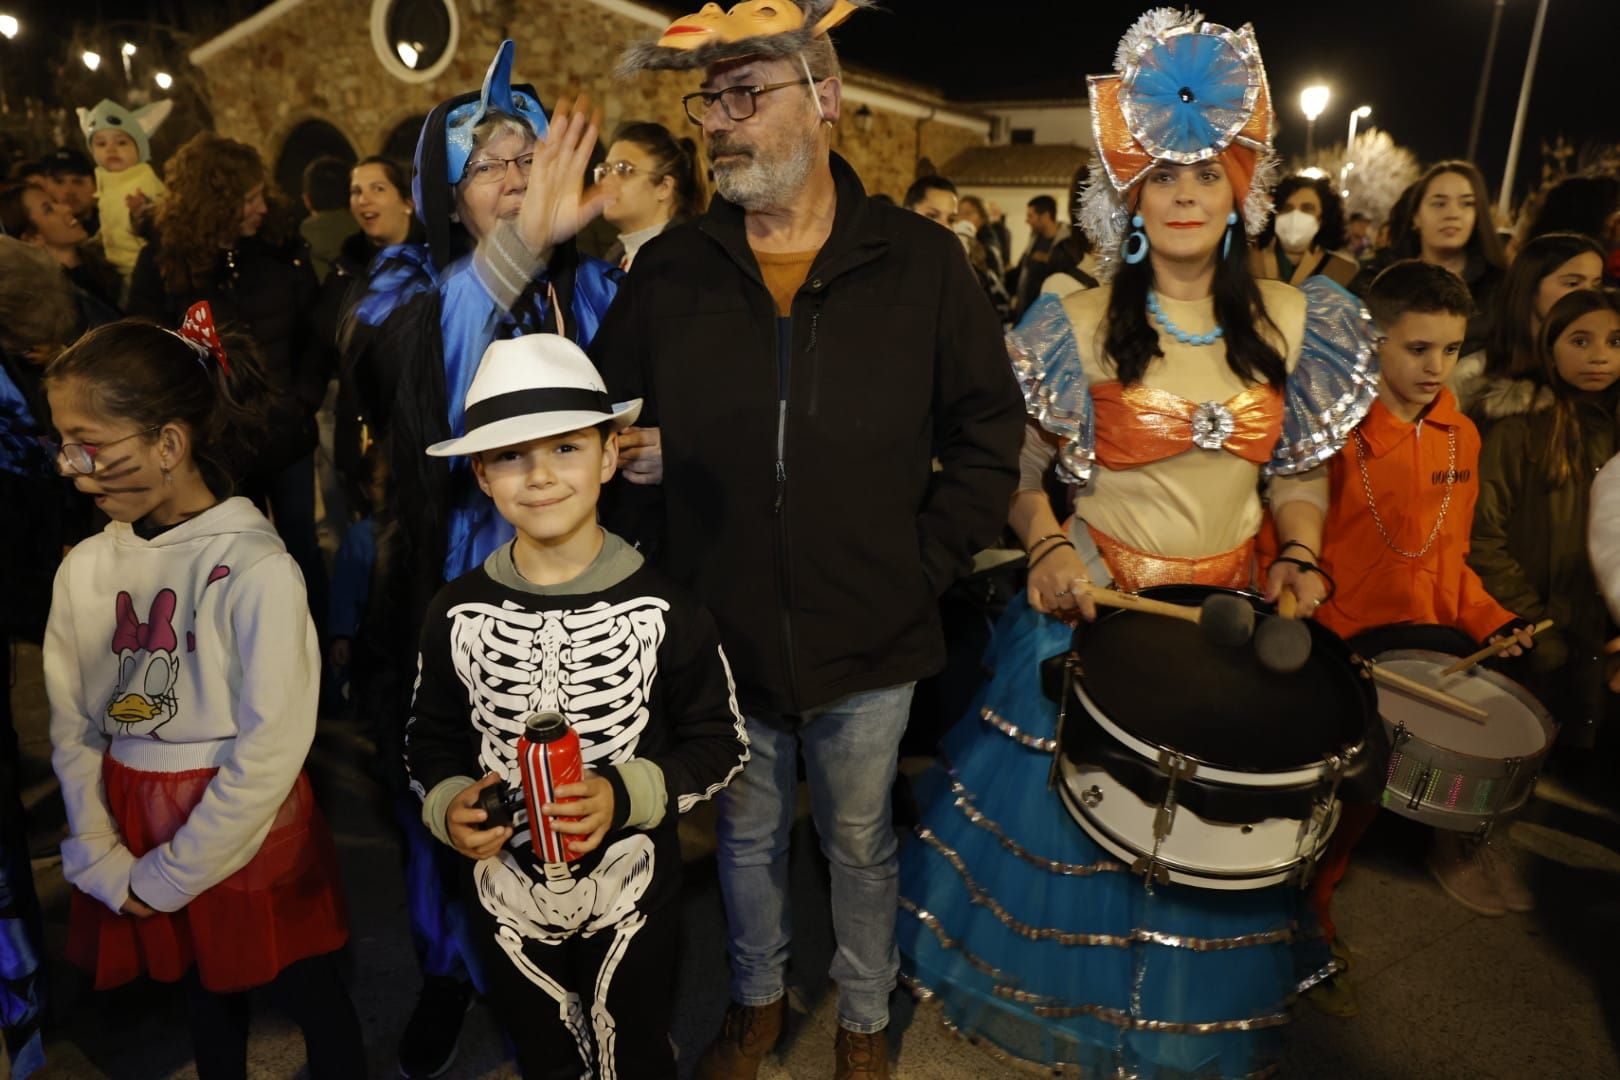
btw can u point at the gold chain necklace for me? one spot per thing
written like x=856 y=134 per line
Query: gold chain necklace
x=1445 y=500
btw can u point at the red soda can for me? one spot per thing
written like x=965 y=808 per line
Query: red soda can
x=548 y=758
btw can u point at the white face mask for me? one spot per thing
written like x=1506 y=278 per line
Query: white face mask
x=1296 y=229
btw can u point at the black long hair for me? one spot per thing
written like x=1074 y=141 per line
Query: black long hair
x=1582 y=204
x=1482 y=242
x=1560 y=452
x=1330 y=233
x=1132 y=342
x=1510 y=350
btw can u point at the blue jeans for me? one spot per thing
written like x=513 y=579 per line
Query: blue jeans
x=851 y=749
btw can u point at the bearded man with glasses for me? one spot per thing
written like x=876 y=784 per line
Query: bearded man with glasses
x=806 y=356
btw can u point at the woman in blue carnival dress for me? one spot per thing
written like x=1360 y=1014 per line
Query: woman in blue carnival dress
x=1170 y=398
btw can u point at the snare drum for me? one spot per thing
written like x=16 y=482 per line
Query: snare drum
x=1192 y=762
x=1448 y=771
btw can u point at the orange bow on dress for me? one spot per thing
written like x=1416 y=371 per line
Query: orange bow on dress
x=1138 y=425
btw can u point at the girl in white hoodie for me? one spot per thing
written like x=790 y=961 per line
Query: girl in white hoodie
x=183 y=672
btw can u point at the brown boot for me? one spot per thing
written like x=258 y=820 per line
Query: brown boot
x=746 y=1035
x=861 y=1057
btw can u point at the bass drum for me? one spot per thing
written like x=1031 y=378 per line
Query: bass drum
x=1195 y=764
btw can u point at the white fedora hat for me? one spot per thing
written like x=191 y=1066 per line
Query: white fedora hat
x=534 y=387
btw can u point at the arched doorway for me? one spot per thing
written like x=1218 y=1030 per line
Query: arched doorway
x=306 y=142
x=401 y=142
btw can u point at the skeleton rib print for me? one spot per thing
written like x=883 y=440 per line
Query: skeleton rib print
x=594 y=665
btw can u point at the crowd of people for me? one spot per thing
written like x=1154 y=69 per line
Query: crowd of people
x=439 y=450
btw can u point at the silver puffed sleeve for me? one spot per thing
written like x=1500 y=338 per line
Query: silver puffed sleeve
x=1334 y=383
x=1057 y=394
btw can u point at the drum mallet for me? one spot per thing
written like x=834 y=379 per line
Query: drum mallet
x=1492 y=650
x=1224 y=619
x=1282 y=643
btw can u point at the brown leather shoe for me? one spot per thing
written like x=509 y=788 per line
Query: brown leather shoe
x=746 y=1035
x=861 y=1057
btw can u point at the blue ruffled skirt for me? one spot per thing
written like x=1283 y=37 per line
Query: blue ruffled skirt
x=1035 y=939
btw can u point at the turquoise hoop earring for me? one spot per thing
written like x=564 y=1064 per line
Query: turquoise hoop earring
x=1136 y=244
x=1226 y=242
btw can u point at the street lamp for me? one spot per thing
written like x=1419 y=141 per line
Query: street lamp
x=92 y=60
x=1484 y=80
x=1350 y=146
x=1505 y=200
x=127 y=50
x=163 y=79
x=1355 y=115
x=9 y=28
x=1313 y=100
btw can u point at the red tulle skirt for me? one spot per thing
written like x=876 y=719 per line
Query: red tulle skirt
x=285 y=905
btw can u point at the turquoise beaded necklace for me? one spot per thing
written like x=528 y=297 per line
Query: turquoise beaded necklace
x=1177 y=332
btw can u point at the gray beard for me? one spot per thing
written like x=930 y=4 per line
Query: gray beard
x=760 y=185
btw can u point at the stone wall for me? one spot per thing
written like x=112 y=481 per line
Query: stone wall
x=316 y=62
x=887 y=156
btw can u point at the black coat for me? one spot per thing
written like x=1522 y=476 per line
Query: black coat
x=268 y=292
x=343 y=288
x=821 y=537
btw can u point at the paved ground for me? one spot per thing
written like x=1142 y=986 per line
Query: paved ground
x=1443 y=993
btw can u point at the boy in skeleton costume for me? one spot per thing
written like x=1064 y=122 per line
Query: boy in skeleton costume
x=567 y=618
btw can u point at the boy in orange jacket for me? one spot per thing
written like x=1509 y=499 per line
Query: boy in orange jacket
x=1396 y=543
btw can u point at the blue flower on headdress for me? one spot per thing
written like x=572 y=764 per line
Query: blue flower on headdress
x=1187 y=96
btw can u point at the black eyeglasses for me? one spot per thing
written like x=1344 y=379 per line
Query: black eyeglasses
x=81 y=457
x=740 y=102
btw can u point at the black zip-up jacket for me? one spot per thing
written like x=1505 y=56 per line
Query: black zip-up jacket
x=808 y=518
x=267 y=291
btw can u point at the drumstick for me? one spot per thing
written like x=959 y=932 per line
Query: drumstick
x=1490 y=650
x=1132 y=602
x=1428 y=693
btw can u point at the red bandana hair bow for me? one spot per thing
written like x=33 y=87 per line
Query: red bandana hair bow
x=198 y=331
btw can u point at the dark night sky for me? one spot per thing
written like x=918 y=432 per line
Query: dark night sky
x=1416 y=62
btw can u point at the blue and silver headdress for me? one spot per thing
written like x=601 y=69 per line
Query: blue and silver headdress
x=446 y=144
x=497 y=95
x=1183 y=90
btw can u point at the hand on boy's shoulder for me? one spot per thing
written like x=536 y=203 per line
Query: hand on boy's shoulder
x=641 y=455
